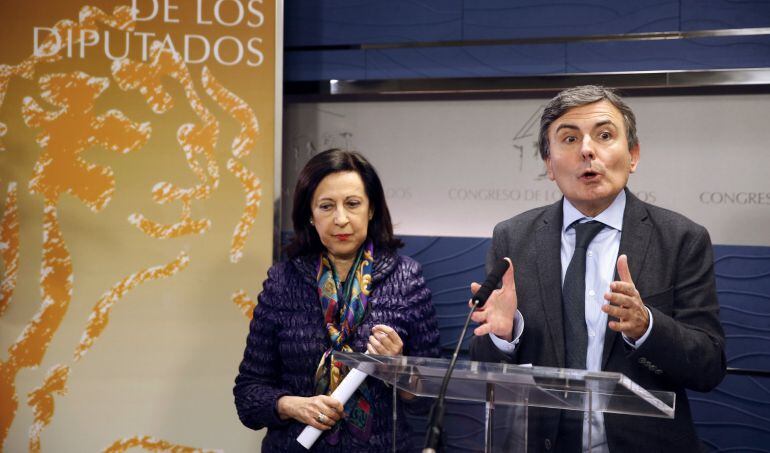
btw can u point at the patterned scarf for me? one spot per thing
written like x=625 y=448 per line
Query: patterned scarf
x=344 y=308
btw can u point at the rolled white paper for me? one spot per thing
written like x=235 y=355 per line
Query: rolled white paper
x=342 y=393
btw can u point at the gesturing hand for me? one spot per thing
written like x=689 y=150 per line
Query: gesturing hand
x=318 y=411
x=496 y=316
x=384 y=341
x=626 y=304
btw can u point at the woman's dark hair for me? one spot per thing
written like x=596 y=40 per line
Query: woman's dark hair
x=306 y=240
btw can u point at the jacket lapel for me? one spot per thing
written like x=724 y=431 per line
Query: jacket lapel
x=634 y=241
x=549 y=270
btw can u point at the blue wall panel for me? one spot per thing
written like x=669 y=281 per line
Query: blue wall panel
x=743 y=282
x=328 y=22
x=718 y=14
x=503 y=19
x=490 y=61
x=355 y=22
x=518 y=60
x=325 y=65
x=735 y=416
x=449 y=265
x=705 y=53
x=316 y=22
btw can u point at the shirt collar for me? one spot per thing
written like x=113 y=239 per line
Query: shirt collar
x=612 y=216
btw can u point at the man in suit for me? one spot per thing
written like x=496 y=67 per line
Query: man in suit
x=647 y=307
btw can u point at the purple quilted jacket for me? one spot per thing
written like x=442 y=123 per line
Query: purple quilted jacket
x=287 y=338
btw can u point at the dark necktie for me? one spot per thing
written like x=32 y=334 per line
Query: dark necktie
x=570 y=437
x=573 y=296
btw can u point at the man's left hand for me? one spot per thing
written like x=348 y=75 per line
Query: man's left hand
x=626 y=304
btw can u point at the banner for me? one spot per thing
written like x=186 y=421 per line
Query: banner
x=137 y=156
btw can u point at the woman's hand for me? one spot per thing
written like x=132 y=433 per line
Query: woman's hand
x=318 y=411
x=384 y=341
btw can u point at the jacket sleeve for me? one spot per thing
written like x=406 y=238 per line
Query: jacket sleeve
x=422 y=327
x=258 y=385
x=686 y=343
x=423 y=338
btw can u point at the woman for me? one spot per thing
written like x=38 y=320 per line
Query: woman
x=344 y=288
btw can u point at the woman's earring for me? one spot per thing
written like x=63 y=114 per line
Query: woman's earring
x=311 y=222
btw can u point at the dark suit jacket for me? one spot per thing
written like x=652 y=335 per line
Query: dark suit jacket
x=671 y=263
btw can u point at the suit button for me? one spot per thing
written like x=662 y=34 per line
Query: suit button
x=658 y=372
x=642 y=360
x=653 y=367
x=548 y=444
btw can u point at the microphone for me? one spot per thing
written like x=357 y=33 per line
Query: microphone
x=490 y=284
x=436 y=419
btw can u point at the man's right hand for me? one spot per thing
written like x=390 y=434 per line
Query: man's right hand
x=496 y=316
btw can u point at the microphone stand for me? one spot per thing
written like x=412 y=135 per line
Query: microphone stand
x=436 y=421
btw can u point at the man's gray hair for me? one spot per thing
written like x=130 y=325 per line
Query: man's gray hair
x=577 y=97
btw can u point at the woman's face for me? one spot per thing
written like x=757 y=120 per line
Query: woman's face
x=341 y=213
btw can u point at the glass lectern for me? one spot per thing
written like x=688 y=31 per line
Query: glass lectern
x=518 y=386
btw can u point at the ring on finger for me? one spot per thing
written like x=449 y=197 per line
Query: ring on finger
x=320 y=417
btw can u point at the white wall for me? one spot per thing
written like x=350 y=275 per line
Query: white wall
x=455 y=168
